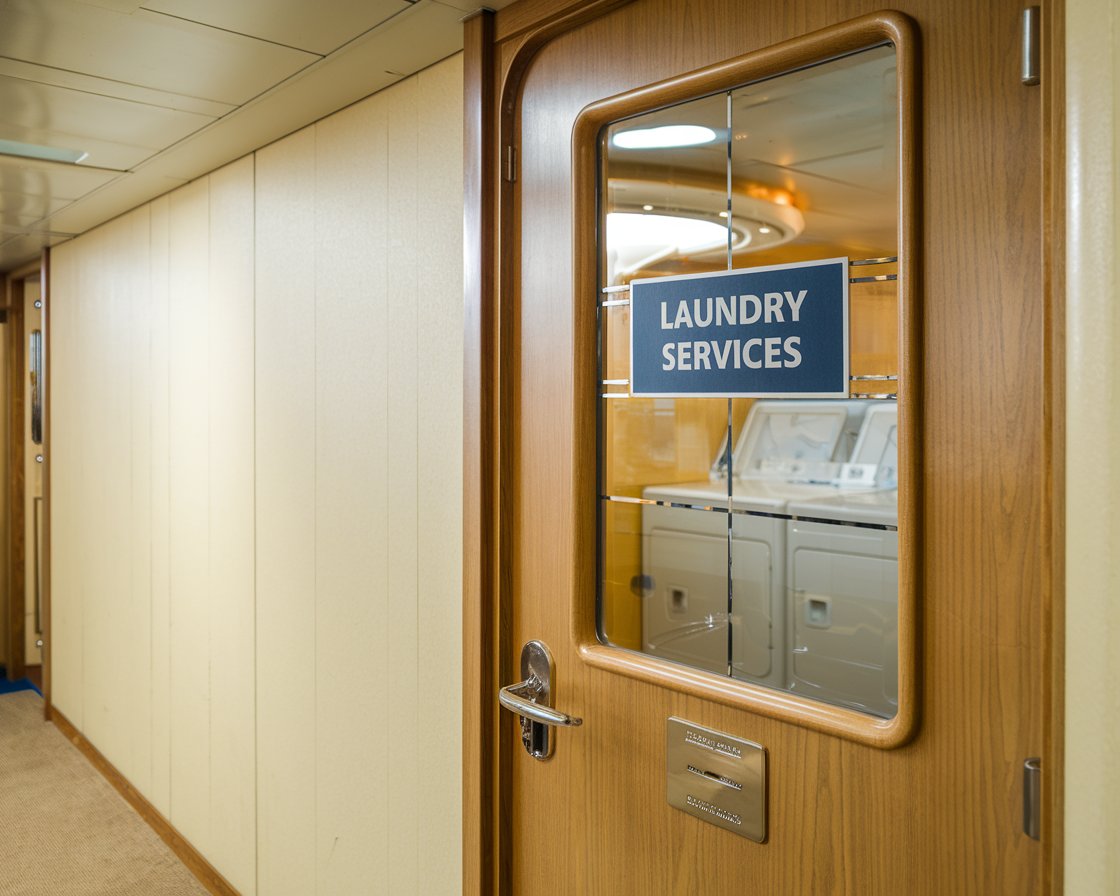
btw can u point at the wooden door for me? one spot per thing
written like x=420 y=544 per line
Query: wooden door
x=934 y=803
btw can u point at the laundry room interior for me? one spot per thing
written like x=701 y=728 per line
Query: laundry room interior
x=796 y=588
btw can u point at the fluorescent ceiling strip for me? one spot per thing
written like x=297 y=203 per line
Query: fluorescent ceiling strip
x=44 y=153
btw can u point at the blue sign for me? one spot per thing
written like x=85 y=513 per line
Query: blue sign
x=779 y=331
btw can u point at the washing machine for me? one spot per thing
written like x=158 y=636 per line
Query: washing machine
x=713 y=555
x=842 y=575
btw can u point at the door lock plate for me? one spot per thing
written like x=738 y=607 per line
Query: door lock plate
x=717 y=778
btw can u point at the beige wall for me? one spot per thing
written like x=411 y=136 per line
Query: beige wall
x=1092 y=741
x=256 y=500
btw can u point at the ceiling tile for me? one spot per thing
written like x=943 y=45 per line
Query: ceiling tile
x=19 y=211
x=469 y=6
x=417 y=38
x=50 y=178
x=320 y=27
x=125 y=194
x=128 y=6
x=116 y=133
x=26 y=247
x=146 y=49
x=425 y=34
x=40 y=74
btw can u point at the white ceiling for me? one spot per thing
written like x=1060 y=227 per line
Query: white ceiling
x=163 y=91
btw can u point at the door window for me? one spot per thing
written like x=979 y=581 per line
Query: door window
x=757 y=538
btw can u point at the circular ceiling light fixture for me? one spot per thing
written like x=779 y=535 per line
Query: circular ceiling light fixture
x=663 y=137
x=649 y=222
x=636 y=240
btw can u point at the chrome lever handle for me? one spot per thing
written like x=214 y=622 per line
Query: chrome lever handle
x=531 y=699
x=518 y=698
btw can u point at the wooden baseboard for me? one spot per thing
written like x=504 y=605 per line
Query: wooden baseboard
x=206 y=873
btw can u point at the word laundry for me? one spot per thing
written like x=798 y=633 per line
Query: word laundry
x=733 y=354
x=733 y=310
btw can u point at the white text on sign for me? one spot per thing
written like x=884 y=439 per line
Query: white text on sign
x=733 y=354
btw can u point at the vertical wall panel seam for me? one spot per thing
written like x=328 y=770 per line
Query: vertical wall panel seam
x=167 y=387
x=253 y=490
x=209 y=524
x=83 y=428
x=415 y=305
x=167 y=459
x=315 y=198
x=386 y=393
x=147 y=293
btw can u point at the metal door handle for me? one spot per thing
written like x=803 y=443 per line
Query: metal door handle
x=520 y=697
x=531 y=699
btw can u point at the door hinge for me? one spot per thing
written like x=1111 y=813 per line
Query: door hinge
x=1031 y=52
x=1032 y=798
x=511 y=164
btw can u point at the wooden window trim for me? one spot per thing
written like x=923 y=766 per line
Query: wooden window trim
x=864 y=32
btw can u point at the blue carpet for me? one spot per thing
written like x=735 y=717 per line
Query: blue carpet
x=24 y=684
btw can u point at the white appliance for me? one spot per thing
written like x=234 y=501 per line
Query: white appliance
x=842 y=571
x=699 y=611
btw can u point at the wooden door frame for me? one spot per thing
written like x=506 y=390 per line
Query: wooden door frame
x=16 y=484
x=14 y=653
x=498 y=49
x=1053 y=185
x=45 y=539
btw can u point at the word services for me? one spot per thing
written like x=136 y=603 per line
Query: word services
x=778 y=331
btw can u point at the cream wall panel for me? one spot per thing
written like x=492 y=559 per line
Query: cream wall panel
x=354 y=762
x=232 y=809
x=439 y=365
x=286 y=516
x=256 y=489
x=1092 y=680
x=159 y=792
x=189 y=512
x=98 y=637
x=67 y=460
x=402 y=256
x=115 y=636
x=134 y=448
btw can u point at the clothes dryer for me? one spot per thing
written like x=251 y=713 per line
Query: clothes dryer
x=716 y=586
x=842 y=574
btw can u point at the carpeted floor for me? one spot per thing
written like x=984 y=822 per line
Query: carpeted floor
x=65 y=831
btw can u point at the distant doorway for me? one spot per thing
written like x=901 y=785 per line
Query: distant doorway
x=23 y=620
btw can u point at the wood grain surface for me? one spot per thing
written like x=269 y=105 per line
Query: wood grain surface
x=45 y=547
x=789 y=55
x=17 y=482
x=940 y=812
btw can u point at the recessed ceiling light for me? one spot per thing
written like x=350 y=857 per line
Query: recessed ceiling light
x=647 y=208
x=690 y=223
x=664 y=137
x=43 y=153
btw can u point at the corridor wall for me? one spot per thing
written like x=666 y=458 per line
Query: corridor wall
x=256 y=499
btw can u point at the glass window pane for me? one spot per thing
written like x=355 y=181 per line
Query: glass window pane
x=757 y=538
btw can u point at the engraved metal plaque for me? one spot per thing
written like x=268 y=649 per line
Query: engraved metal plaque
x=717 y=778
